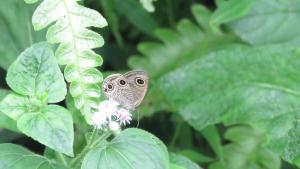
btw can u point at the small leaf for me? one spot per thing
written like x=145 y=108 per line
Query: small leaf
x=132 y=148
x=5 y=121
x=270 y=21
x=52 y=126
x=212 y=136
x=15 y=105
x=16 y=157
x=183 y=161
x=35 y=73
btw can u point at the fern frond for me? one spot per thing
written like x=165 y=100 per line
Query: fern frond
x=76 y=42
x=188 y=42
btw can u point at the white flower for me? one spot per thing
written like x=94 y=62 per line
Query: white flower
x=114 y=126
x=109 y=108
x=99 y=120
x=124 y=116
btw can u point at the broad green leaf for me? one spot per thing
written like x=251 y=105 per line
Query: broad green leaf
x=229 y=11
x=246 y=151
x=136 y=15
x=70 y=29
x=16 y=157
x=13 y=41
x=270 y=21
x=257 y=86
x=183 y=161
x=36 y=74
x=5 y=121
x=132 y=148
x=52 y=126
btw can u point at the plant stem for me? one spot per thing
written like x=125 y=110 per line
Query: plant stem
x=61 y=158
x=91 y=143
x=170 y=13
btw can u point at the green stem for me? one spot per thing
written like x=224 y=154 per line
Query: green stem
x=170 y=13
x=91 y=143
x=176 y=134
x=61 y=158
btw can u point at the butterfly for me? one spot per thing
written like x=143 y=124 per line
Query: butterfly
x=127 y=89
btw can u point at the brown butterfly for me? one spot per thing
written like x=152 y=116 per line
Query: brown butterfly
x=128 y=90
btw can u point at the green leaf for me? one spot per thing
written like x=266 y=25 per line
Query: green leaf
x=229 y=11
x=181 y=46
x=52 y=126
x=202 y=15
x=196 y=156
x=31 y=1
x=5 y=121
x=259 y=86
x=212 y=136
x=183 y=161
x=35 y=73
x=246 y=151
x=132 y=148
x=136 y=15
x=16 y=157
x=13 y=41
x=174 y=166
x=148 y=5
x=113 y=20
x=15 y=105
x=76 y=42
x=270 y=21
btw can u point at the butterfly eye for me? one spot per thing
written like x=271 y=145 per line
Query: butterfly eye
x=110 y=87
x=122 y=82
x=139 y=81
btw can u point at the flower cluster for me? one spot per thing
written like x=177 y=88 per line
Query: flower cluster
x=111 y=114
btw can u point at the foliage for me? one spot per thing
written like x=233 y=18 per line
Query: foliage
x=223 y=89
x=76 y=42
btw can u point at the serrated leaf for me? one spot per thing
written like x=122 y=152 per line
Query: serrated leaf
x=16 y=157
x=13 y=41
x=270 y=21
x=132 y=148
x=183 y=161
x=181 y=46
x=259 y=86
x=51 y=126
x=36 y=73
x=76 y=41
